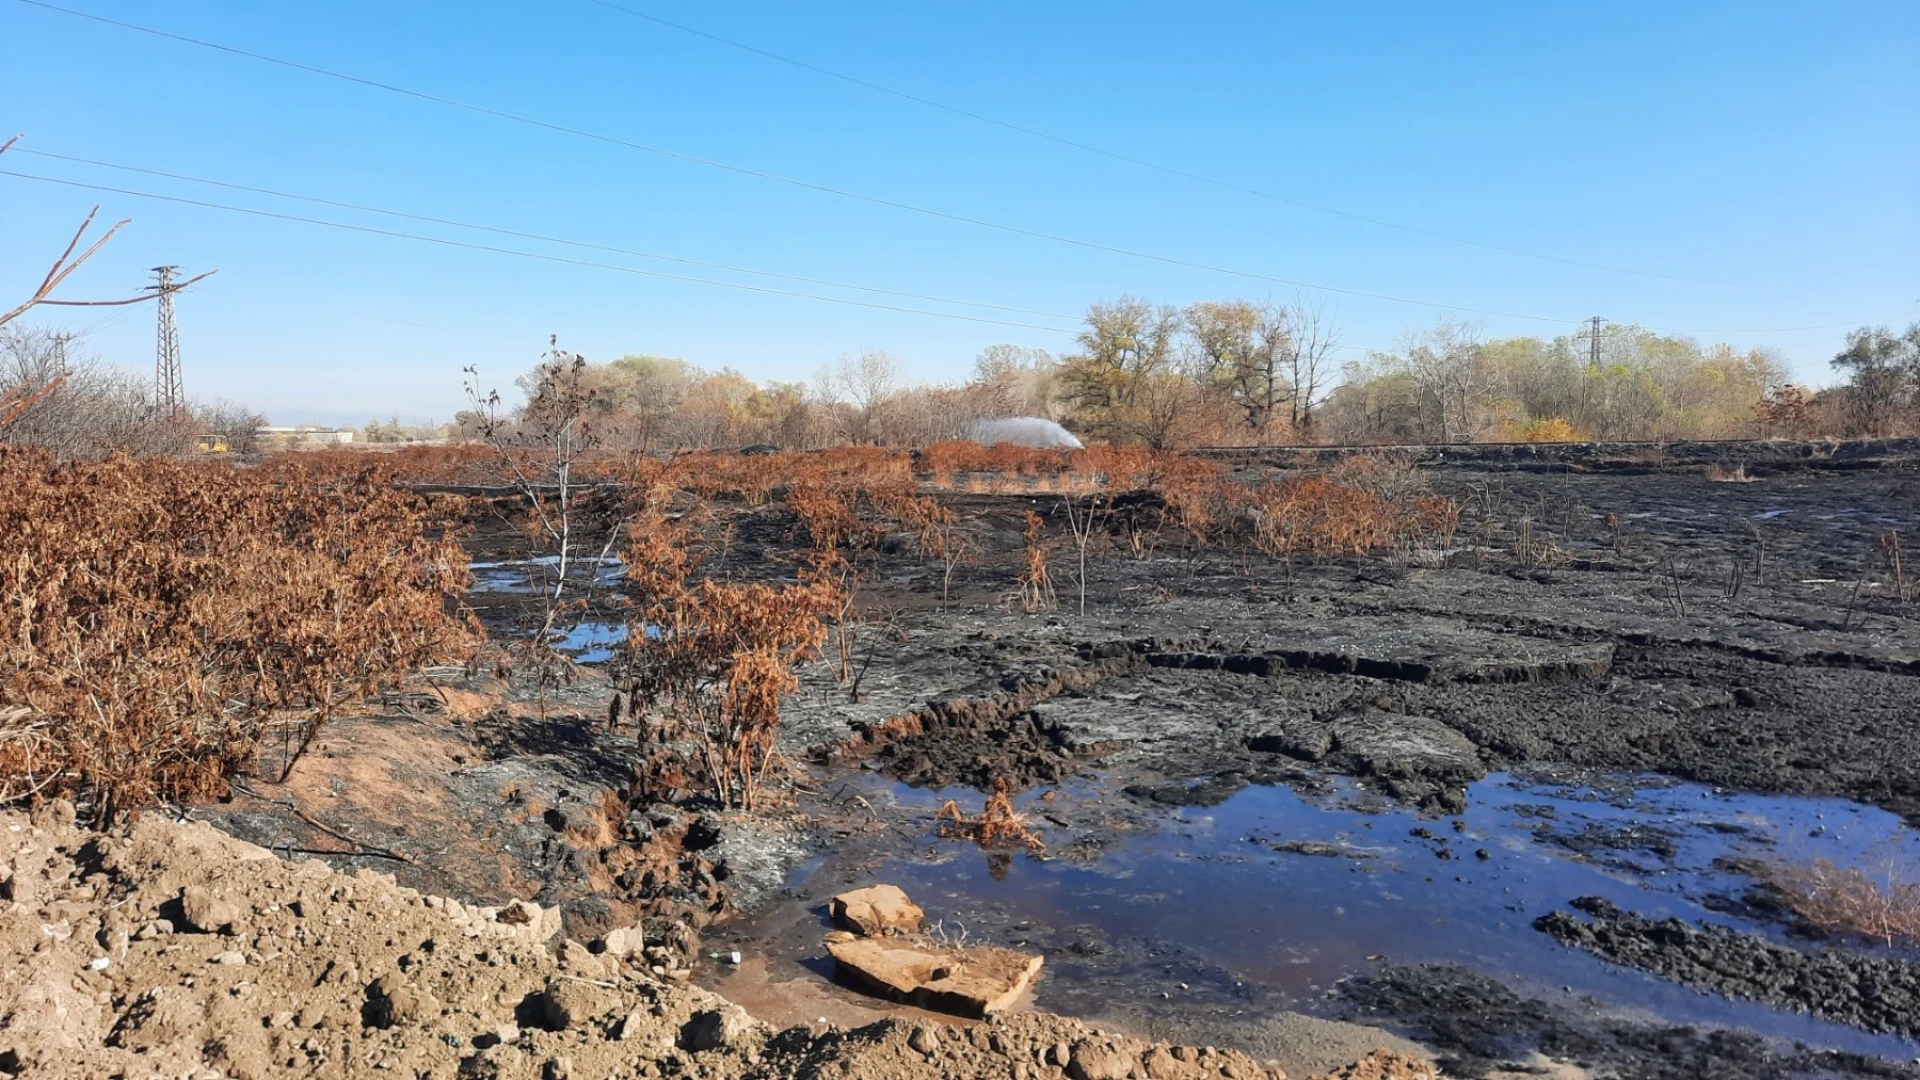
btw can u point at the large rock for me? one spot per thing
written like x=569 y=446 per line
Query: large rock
x=976 y=982
x=876 y=910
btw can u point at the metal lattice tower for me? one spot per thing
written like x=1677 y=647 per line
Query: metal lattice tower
x=168 y=396
x=60 y=354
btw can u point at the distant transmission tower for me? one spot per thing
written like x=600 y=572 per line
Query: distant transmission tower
x=60 y=354
x=1593 y=340
x=168 y=397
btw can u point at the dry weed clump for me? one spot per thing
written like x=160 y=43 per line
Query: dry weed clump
x=999 y=825
x=165 y=626
x=1036 y=583
x=1365 y=504
x=1850 y=900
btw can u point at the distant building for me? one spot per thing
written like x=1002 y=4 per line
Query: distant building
x=292 y=437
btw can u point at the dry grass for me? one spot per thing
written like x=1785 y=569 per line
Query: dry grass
x=1849 y=900
x=1721 y=474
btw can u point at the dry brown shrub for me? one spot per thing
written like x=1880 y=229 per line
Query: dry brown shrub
x=712 y=659
x=165 y=625
x=456 y=463
x=998 y=825
x=1722 y=474
x=1850 y=900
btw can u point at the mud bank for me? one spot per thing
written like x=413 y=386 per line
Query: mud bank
x=1483 y=1028
x=1869 y=992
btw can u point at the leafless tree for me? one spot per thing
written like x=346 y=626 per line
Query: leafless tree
x=74 y=406
x=869 y=380
x=1311 y=338
x=1455 y=387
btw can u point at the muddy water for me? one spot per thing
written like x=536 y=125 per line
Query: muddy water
x=1266 y=901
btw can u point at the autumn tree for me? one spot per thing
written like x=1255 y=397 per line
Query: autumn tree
x=1239 y=346
x=1128 y=358
x=1883 y=374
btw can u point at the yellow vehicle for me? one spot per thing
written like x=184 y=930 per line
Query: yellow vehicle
x=212 y=444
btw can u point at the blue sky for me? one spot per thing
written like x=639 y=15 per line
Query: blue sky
x=1766 y=153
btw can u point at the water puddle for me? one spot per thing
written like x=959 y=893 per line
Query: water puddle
x=529 y=576
x=1264 y=902
x=593 y=642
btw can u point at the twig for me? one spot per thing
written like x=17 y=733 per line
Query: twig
x=362 y=848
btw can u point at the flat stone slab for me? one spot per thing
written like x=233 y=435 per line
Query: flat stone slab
x=976 y=981
x=877 y=910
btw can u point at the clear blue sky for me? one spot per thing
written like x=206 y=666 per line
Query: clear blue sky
x=1771 y=150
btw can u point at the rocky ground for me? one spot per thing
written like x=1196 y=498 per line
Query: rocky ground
x=1625 y=620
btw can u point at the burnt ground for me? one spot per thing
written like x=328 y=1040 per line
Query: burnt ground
x=1748 y=636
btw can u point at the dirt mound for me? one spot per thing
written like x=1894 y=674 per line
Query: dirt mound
x=173 y=949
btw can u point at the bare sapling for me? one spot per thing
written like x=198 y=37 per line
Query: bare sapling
x=1083 y=521
x=953 y=550
x=540 y=451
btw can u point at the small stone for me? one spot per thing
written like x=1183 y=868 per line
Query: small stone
x=623 y=942
x=924 y=1040
x=1098 y=1061
x=230 y=958
x=715 y=1029
x=1161 y=1065
x=1060 y=1055
x=569 y=1004
x=99 y=963
x=392 y=1001
x=205 y=913
x=280 y=1020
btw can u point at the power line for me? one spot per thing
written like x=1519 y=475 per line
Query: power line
x=443 y=241
x=544 y=239
x=792 y=181
x=1144 y=163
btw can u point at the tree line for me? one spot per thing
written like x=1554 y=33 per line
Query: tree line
x=1217 y=373
x=1252 y=373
